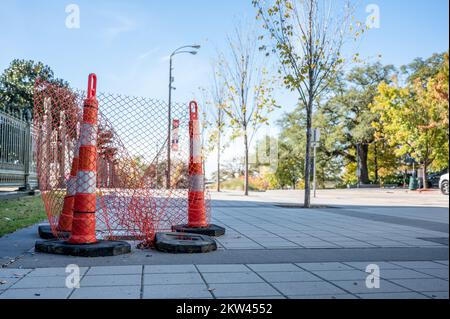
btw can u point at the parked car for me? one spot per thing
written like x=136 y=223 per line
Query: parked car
x=443 y=184
x=433 y=179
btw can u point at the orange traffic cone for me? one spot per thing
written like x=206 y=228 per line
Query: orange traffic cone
x=197 y=219
x=66 y=217
x=83 y=241
x=85 y=203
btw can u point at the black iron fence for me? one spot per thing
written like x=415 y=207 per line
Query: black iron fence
x=17 y=151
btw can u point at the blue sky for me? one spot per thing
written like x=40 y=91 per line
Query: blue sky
x=127 y=42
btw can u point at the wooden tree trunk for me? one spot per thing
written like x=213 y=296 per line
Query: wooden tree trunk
x=309 y=107
x=246 y=164
x=307 y=201
x=425 y=167
x=376 y=163
x=218 y=161
x=363 y=152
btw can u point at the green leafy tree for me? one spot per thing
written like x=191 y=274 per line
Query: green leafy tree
x=415 y=118
x=292 y=144
x=329 y=157
x=291 y=149
x=351 y=103
x=423 y=69
x=215 y=122
x=17 y=83
x=248 y=90
x=308 y=41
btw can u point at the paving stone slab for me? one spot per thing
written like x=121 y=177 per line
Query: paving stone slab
x=36 y=293
x=402 y=274
x=386 y=243
x=320 y=245
x=308 y=288
x=51 y=272
x=281 y=246
x=359 y=287
x=310 y=242
x=393 y=295
x=115 y=270
x=176 y=291
x=169 y=269
x=243 y=290
x=341 y=274
x=172 y=279
x=122 y=292
x=273 y=267
x=110 y=280
x=41 y=282
x=354 y=245
x=423 y=284
x=419 y=264
x=13 y=272
x=256 y=297
x=441 y=273
x=324 y=266
x=223 y=268
x=437 y=294
x=231 y=277
x=320 y=297
x=382 y=264
x=7 y=282
x=248 y=247
x=288 y=276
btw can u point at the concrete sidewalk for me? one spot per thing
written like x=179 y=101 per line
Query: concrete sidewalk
x=317 y=253
x=399 y=280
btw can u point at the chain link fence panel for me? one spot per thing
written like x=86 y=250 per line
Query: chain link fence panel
x=134 y=196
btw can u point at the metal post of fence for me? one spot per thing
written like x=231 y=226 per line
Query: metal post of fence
x=27 y=152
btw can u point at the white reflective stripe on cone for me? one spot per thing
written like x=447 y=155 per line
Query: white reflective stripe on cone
x=196 y=127
x=196 y=183
x=72 y=186
x=196 y=151
x=196 y=155
x=77 y=149
x=196 y=144
x=88 y=134
x=86 y=182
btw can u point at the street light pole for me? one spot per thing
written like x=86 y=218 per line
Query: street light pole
x=169 y=111
x=169 y=126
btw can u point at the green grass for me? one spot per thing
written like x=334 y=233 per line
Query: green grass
x=19 y=213
x=236 y=184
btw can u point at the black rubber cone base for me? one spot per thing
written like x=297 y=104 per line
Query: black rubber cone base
x=99 y=249
x=180 y=243
x=211 y=230
x=45 y=232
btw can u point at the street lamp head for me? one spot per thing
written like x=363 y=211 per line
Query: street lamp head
x=196 y=46
x=193 y=52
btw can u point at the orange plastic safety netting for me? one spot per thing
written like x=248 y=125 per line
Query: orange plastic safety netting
x=134 y=198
